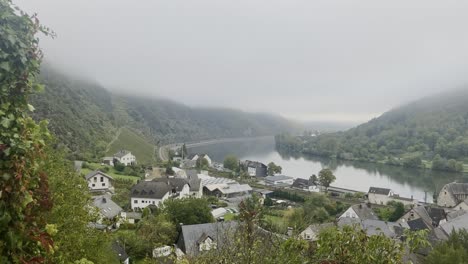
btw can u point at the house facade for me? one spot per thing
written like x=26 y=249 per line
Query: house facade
x=311 y=232
x=155 y=192
x=99 y=181
x=195 y=157
x=379 y=195
x=255 y=168
x=305 y=185
x=452 y=194
x=125 y=157
x=108 y=210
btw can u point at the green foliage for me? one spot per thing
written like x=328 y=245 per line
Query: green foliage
x=24 y=193
x=120 y=167
x=392 y=212
x=202 y=164
x=157 y=231
x=231 y=162
x=404 y=136
x=70 y=215
x=268 y=201
x=454 y=250
x=326 y=177
x=188 y=211
x=291 y=196
x=273 y=169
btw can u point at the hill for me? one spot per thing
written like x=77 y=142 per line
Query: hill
x=85 y=117
x=431 y=132
x=127 y=139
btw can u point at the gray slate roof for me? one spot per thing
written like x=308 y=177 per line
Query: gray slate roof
x=457 y=189
x=302 y=183
x=191 y=234
x=176 y=183
x=455 y=214
x=377 y=190
x=417 y=224
x=375 y=227
x=94 y=173
x=121 y=153
x=364 y=212
x=456 y=224
x=150 y=189
x=194 y=181
x=254 y=164
x=106 y=206
x=277 y=178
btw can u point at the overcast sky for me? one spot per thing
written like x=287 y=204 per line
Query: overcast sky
x=305 y=59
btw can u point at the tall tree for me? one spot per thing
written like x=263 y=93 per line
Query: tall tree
x=24 y=191
x=231 y=162
x=273 y=169
x=326 y=177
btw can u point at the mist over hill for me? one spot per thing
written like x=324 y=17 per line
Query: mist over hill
x=430 y=132
x=85 y=117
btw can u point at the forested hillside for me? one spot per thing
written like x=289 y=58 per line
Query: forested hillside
x=85 y=117
x=431 y=132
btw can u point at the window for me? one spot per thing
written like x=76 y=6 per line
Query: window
x=102 y=179
x=94 y=185
x=103 y=184
x=95 y=179
x=135 y=201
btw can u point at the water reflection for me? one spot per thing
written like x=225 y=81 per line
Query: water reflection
x=350 y=174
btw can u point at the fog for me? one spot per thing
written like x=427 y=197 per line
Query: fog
x=307 y=60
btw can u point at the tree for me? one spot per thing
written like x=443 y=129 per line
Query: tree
x=118 y=166
x=184 y=151
x=157 y=231
x=25 y=198
x=202 y=163
x=313 y=179
x=454 y=250
x=70 y=216
x=326 y=177
x=188 y=211
x=231 y=162
x=273 y=169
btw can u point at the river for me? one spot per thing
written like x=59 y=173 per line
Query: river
x=421 y=184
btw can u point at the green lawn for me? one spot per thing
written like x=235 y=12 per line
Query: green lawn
x=139 y=146
x=112 y=172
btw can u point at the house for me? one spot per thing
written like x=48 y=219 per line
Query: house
x=462 y=205
x=360 y=211
x=108 y=161
x=311 y=232
x=125 y=157
x=156 y=191
x=279 y=180
x=255 y=168
x=305 y=185
x=455 y=224
x=195 y=157
x=382 y=196
x=194 y=239
x=130 y=217
x=379 y=195
x=108 y=209
x=121 y=254
x=227 y=190
x=452 y=194
x=99 y=181
x=418 y=212
x=375 y=227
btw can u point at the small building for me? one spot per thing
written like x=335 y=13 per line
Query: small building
x=311 y=232
x=228 y=190
x=108 y=161
x=462 y=205
x=279 y=180
x=379 y=195
x=452 y=194
x=99 y=181
x=158 y=190
x=360 y=211
x=125 y=157
x=130 y=217
x=418 y=212
x=194 y=239
x=108 y=209
x=195 y=157
x=305 y=185
x=255 y=168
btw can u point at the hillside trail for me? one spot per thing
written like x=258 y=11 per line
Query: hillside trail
x=117 y=135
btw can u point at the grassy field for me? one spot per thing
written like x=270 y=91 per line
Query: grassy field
x=112 y=172
x=139 y=146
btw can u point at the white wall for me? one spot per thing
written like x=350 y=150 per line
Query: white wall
x=99 y=182
x=349 y=213
x=378 y=198
x=144 y=202
x=128 y=159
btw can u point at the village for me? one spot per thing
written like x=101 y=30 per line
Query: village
x=123 y=199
